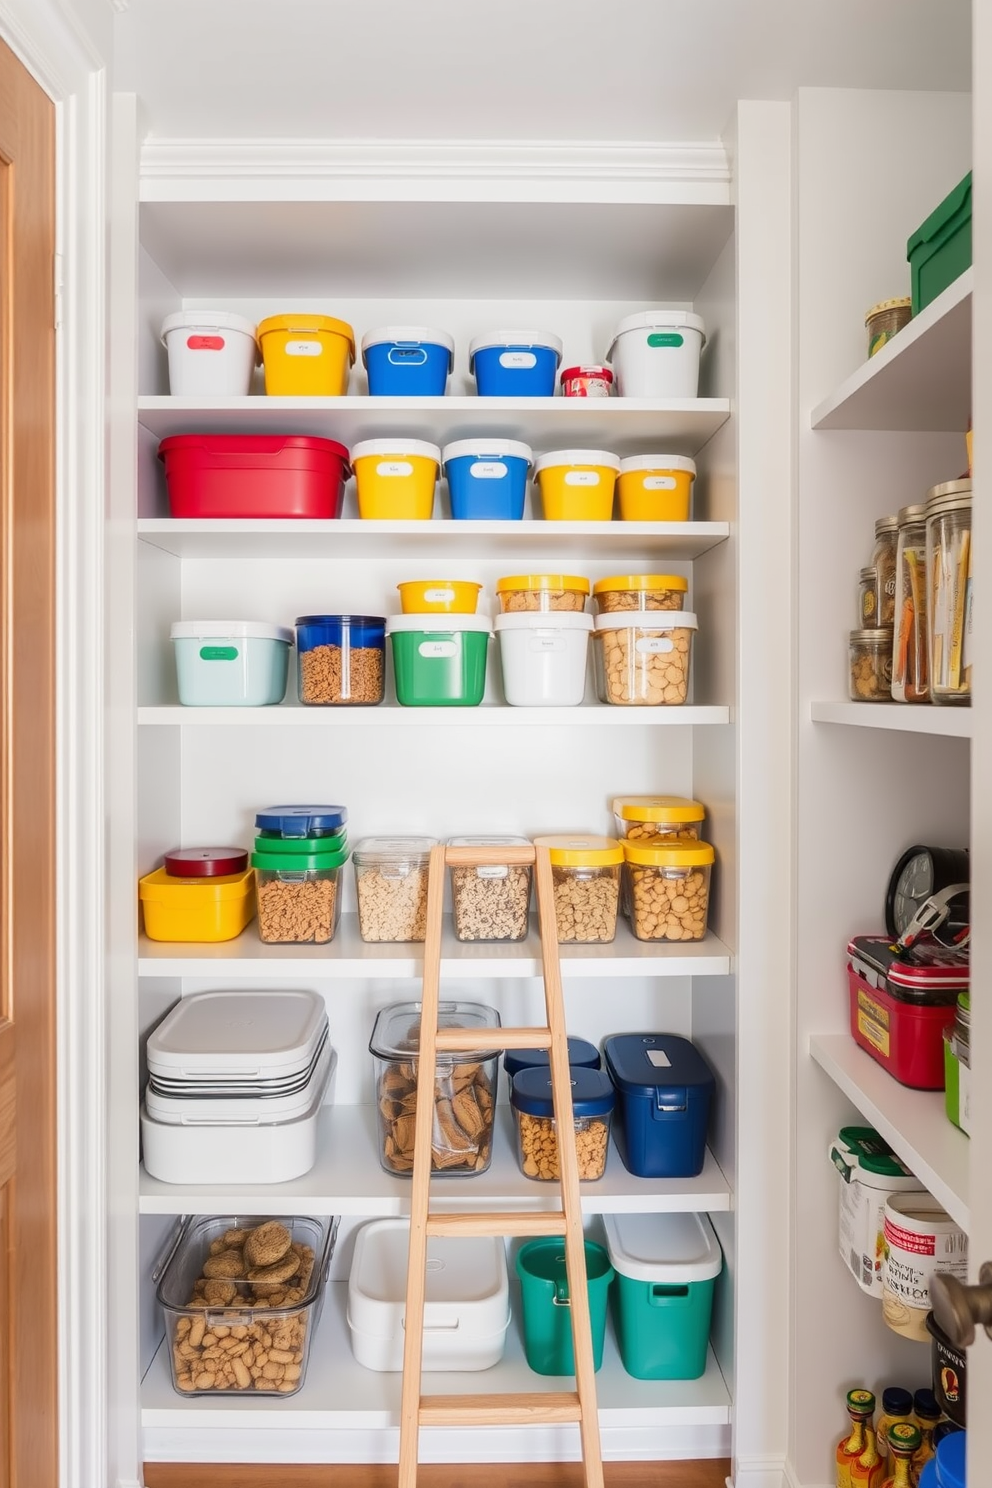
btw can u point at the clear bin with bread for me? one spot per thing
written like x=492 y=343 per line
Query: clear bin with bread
x=643 y=660
x=585 y=872
x=536 y=1126
x=668 y=888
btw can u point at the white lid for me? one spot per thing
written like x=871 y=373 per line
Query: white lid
x=245 y=1034
x=438 y=624
x=407 y=335
x=492 y=840
x=659 y=320
x=206 y=320
x=638 y=620
x=657 y=463
x=543 y=620
x=256 y=1108
x=395 y=449
x=242 y=630
x=546 y=340
x=487 y=449
x=672 y=1248
x=463 y=1273
x=576 y=457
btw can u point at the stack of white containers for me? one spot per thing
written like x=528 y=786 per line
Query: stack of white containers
x=236 y=1081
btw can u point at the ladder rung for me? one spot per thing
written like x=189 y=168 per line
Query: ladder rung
x=499 y=1410
x=489 y=857
x=486 y=1222
x=467 y=1040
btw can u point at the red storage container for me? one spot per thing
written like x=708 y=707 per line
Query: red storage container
x=254 y=475
x=901 y=1002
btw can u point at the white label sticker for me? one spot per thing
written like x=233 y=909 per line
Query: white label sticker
x=517 y=359
x=394 y=467
x=658 y=1058
x=493 y=870
x=654 y=645
x=303 y=348
x=582 y=477
x=439 y=596
x=437 y=648
x=547 y=643
x=487 y=470
x=659 y=483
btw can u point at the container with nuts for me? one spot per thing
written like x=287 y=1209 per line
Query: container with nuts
x=643 y=661
x=391 y=879
x=883 y=560
x=668 y=887
x=297 y=892
x=541 y=592
x=586 y=875
x=640 y=592
x=341 y=658
x=241 y=1300
x=871 y=666
x=537 y=1134
x=673 y=818
x=490 y=902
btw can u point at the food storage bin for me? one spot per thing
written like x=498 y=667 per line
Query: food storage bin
x=306 y=356
x=212 y=354
x=673 y=817
x=298 y=900
x=666 y=1269
x=196 y=909
x=491 y=902
x=910 y=658
x=957 y=1065
x=577 y=485
x=515 y=364
x=587 y=382
x=655 y=488
x=949 y=1370
x=664 y=1094
x=439 y=597
x=643 y=662
x=288 y=1317
x=920 y=1239
x=537 y=1133
x=391 y=879
x=885 y=320
x=940 y=249
x=541 y=592
x=883 y=560
x=487 y=478
x=669 y=888
x=544 y=1301
x=466 y=1304
x=640 y=592
x=407 y=361
x=395 y=479
x=655 y=354
x=321 y=824
x=949 y=569
x=871 y=666
x=581 y=1054
x=253 y=1039
x=439 y=662
x=341 y=659
x=464 y=1090
x=901 y=1002
x=231 y=663
x=254 y=475
x=868 y=605
x=869 y=1171
x=586 y=874
x=543 y=658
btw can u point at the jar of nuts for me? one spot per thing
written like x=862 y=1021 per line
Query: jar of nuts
x=391 y=879
x=341 y=659
x=297 y=892
x=871 y=666
x=668 y=885
x=640 y=592
x=674 y=818
x=541 y=592
x=490 y=902
x=883 y=561
x=537 y=1134
x=643 y=662
x=586 y=875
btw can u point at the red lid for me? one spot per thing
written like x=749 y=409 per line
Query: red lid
x=605 y=373
x=205 y=862
x=257 y=445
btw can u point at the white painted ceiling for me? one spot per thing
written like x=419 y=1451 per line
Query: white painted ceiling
x=515 y=69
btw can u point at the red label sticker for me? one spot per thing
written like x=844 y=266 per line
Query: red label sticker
x=205 y=343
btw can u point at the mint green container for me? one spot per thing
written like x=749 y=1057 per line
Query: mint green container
x=940 y=249
x=666 y=1267
x=439 y=661
x=544 y=1297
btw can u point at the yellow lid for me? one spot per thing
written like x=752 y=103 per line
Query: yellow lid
x=903 y=303
x=658 y=809
x=543 y=581
x=669 y=854
x=581 y=850
x=304 y=323
x=641 y=582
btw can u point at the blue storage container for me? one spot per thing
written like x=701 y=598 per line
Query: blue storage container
x=411 y=361
x=666 y=1268
x=948 y=1469
x=487 y=478
x=580 y=1053
x=515 y=364
x=665 y=1089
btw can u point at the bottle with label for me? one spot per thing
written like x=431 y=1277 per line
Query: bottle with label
x=897 y=1405
x=904 y=1443
x=861 y=1409
x=868 y=1469
x=927 y=1415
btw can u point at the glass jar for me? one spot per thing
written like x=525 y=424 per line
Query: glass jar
x=643 y=662
x=883 y=560
x=948 y=568
x=868 y=605
x=885 y=320
x=537 y=1135
x=297 y=894
x=541 y=592
x=586 y=877
x=871 y=666
x=391 y=880
x=668 y=885
x=640 y=592
x=910 y=662
x=673 y=818
x=341 y=659
x=490 y=902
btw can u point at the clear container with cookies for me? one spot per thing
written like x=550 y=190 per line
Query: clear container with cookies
x=668 y=888
x=537 y=1135
x=643 y=660
x=673 y=818
x=585 y=872
x=640 y=592
x=542 y=592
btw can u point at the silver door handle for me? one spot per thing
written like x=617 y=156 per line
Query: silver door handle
x=958 y=1308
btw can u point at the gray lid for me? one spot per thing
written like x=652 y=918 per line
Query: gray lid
x=886 y=524
x=912 y=513
x=867 y=573
x=881 y=637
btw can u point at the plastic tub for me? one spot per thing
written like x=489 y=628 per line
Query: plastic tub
x=395 y=479
x=641 y=592
x=302 y=824
x=869 y=1171
x=948 y=1467
x=466 y=1305
x=581 y=1053
x=231 y=663
x=190 y=1106
x=643 y=663
x=664 y=1094
x=669 y=888
x=577 y=485
x=212 y=354
x=515 y=364
x=543 y=658
x=439 y=663
x=537 y=1135
x=391 y=879
x=921 y=1238
x=196 y=909
x=940 y=249
x=655 y=354
x=491 y=902
x=237 y=1039
x=341 y=659
x=254 y=475
x=544 y=1301
x=407 y=361
x=541 y=592
x=666 y=1268
x=655 y=488
x=949 y=1369
x=587 y=382
x=306 y=356
x=586 y=875
x=298 y=899
x=487 y=478
x=439 y=596
x=674 y=818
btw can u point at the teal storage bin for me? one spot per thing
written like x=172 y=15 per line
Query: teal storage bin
x=666 y=1267
x=544 y=1299
x=439 y=661
x=231 y=663
x=940 y=250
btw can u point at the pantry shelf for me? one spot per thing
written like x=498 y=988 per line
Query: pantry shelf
x=489 y=715
x=913 y=1122
x=951 y=723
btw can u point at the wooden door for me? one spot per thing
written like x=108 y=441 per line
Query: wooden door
x=28 y=1271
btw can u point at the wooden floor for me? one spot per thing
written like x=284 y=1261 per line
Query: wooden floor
x=710 y=1474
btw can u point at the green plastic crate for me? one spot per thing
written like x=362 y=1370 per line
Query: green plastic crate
x=940 y=250
x=666 y=1266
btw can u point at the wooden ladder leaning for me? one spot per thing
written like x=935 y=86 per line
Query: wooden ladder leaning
x=530 y=1408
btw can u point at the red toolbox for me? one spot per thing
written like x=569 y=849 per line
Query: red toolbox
x=901 y=1002
x=254 y=475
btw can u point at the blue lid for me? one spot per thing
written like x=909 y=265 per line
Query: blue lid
x=657 y=1066
x=951 y=1460
x=301 y=821
x=580 y=1053
x=592 y=1093
x=896 y=1401
x=925 y=1405
x=373 y=620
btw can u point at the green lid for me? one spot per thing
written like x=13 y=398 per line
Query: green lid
x=860 y=1402
x=335 y=842
x=904 y=1437
x=871 y=1151
x=297 y=862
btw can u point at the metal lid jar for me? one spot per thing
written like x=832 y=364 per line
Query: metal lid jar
x=949 y=586
x=910 y=662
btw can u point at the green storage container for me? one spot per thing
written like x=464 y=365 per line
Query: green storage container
x=666 y=1266
x=544 y=1303
x=957 y=1066
x=940 y=250
x=439 y=661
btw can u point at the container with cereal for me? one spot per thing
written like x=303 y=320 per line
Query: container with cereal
x=675 y=818
x=490 y=902
x=534 y=1116
x=586 y=874
x=541 y=592
x=297 y=891
x=640 y=592
x=668 y=887
x=391 y=879
x=341 y=659
x=643 y=662
x=464 y=1089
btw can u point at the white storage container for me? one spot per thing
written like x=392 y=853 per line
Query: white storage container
x=466 y=1310
x=242 y=1038
x=212 y=354
x=870 y=1173
x=655 y=354
x=543 y=656
x=231 y=663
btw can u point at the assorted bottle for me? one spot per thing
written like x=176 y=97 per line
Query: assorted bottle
x=893 y=1452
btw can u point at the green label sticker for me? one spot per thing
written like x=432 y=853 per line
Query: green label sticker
x=218 y=653
x=666 y=338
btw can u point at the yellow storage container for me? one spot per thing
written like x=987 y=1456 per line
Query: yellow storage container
x=306 y=356
x=197 y=909
x=656 y=488
x=439 y=597
x=577 y=485
x=396 y=479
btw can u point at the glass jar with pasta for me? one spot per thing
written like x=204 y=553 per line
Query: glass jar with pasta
x=910 y=663
x=949 y=591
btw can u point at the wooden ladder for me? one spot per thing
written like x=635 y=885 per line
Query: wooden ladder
x=532 y=1407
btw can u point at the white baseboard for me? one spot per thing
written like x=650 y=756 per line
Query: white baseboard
x=761 y=1472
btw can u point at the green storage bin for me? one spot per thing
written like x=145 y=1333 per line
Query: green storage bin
x=957 y=1066
x=940 y=250
x=439 y=662
x=666 y=1267
x=547 y=1319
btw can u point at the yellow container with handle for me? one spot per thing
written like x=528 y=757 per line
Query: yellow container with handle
x=306 y=356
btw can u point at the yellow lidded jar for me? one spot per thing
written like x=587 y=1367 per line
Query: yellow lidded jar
x=668 y=887
x=675 y=818
x=585 y=870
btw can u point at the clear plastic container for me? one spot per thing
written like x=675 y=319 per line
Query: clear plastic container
x=667 y=817
x=297 y=894
x=643 y=663
x=391 y=878
x=537 y=1135
x=586 y=874
x=640 y=592
x=464 y=1090
x=341 y=659
x=883 y=560
x=669 y=889
x=542 y=592
x=492 y=902
x=871 y=666
x=949 y=587
x=910 y=662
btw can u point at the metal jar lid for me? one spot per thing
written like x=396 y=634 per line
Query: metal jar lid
x=886 y=524
x=868 y=574
x=881 y=637
x=908 y=514
x=950 y=496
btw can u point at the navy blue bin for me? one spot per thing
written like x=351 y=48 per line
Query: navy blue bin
x=411 y=361
x=487 y=478
x=515 y=364
x=664 y=1093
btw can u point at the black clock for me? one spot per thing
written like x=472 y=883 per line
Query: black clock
x=921 y=873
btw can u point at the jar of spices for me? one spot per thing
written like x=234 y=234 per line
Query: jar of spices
x=910 y=666
x=868 y=605
x=884 y=563
x=871 y=666
x=948 y=569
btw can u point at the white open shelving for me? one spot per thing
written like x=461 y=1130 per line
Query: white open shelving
x=906 y=718
x=492 y=715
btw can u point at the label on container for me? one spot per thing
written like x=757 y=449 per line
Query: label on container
x=659 y=483
x=433 y=649
x=666 y=338
x=654 y=645
x=915 y=1247
x=439 y=596
x=218 y=653
x=205 y=343
x=303 y=348
x=658 y=1058
x=873 y=1023
x=517 y=359
x=487 y=470
x=582 y=477
x=493 y=870
x=406 y=356
x=539 y=643
x=394 y=467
